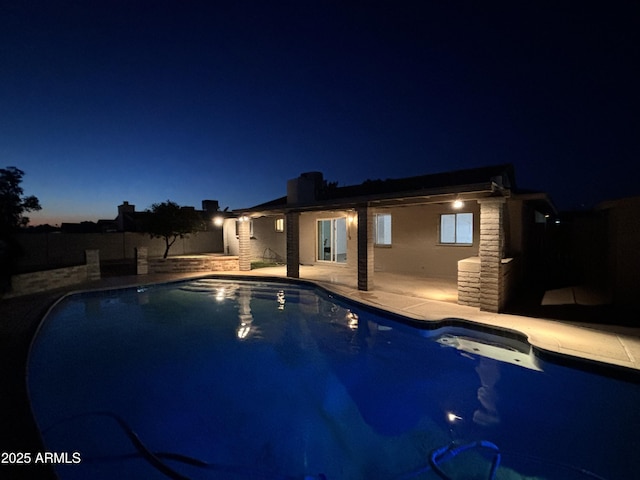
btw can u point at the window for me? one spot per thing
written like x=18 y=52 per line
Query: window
x=383 y=229
x=250 y=227
x=279 y=224
x=456 y=228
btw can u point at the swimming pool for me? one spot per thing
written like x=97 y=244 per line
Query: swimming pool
x=235 y=379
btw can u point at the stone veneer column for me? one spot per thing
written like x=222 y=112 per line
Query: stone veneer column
x=292 y=226
x=93 y=264
x=491 y=252
x=244 y=244
x=365 y=248
x=142 y=261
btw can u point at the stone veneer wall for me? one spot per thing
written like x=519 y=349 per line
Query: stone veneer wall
x=292 y=227
x=469 y=292
x=34 y=282
x=491 y=253
x=469 y=281
x=366 y=263
x=193 y=263
x=244 y=244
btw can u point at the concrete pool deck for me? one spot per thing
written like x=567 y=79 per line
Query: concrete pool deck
x=421 y=299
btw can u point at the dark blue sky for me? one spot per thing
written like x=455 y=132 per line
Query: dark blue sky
x=105 y=101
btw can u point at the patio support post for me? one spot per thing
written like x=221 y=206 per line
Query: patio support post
x=292 y=227
x=491 y=252
x=365 y=248
x=244 y=244
x=142 y=261
x=92 y=258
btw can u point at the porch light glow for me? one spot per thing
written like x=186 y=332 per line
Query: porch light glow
x=457 y=204
x=218 y=221
x=243 y=330
x=281 y=300
x=220 y=294
x=352 y=320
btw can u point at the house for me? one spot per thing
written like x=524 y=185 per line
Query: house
x=473 y=226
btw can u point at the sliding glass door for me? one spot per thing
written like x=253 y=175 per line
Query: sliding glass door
x=332 y=240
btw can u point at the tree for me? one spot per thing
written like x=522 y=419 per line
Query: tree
x=170 y=221
x=13 y=204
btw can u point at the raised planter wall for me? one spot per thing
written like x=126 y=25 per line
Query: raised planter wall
x=27 y=283
x=192 y=263
x=469 y=281
x=469 y=290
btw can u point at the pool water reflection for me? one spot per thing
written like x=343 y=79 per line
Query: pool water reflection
x=233 y=379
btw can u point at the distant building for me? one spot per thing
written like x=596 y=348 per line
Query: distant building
x=82 y=227
x=130 y=220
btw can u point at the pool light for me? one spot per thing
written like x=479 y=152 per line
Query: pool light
x=452 y=417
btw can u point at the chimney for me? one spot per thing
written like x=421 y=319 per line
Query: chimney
x=210 y=206
x=123 y=210
x=126 y=208
x=305 y=188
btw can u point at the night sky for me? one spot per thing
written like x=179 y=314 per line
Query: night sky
x=105 y=101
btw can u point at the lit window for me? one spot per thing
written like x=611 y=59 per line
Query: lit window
x=382 y=229
x=279 y=224
x=456 y=228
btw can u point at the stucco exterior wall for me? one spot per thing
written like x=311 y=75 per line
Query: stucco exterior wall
x=229 y=237
x=416 y=249
x=266 y=243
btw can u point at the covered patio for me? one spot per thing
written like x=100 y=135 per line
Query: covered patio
x=343 y=277
x=404 y=235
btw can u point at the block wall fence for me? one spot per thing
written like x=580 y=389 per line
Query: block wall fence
x=51 y=250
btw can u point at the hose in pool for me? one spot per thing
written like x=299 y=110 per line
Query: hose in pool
x=154 y=458
x=448 y=452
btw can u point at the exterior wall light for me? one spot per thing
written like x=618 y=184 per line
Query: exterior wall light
x=458 y=204
x=218 y=221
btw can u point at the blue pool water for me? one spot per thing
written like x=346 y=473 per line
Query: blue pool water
x=224 y=379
